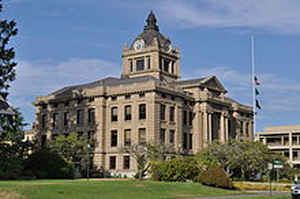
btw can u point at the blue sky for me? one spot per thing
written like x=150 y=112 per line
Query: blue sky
x=65 y=42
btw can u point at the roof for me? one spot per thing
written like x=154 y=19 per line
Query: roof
x=110 y=81
x=151 y=31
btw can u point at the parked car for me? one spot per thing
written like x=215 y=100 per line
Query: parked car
x=295 y=191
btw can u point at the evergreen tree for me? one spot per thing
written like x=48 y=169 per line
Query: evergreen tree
x=7 y=54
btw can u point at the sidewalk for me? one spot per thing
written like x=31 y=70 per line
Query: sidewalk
x=248 y=196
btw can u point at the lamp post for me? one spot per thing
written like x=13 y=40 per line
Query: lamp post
x=88 y=162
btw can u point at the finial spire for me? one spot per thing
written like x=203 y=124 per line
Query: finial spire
x=151 y=22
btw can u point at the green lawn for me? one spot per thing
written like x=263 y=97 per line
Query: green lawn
x=79 y=189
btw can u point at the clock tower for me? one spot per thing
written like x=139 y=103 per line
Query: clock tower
x=152 y=54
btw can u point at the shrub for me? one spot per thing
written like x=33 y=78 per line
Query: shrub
x=11 y=168
x=48 y=164
x=178 y=169
x=215 y=176
x=260 y=186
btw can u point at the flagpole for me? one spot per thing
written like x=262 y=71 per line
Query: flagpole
x=253 y=85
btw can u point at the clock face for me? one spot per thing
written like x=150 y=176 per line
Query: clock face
x=139 y=44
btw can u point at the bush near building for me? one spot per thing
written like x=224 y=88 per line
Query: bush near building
x=215 y=176
x=46 y=164
x=177 y=169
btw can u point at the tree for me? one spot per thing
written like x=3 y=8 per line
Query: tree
x=144 y=153
x=44 y=163
x=243 y=159
x=7 y=54
x=13 y=150
x=73 y=149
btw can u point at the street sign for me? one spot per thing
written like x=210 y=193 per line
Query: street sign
x=278 y=166
x=277 y=162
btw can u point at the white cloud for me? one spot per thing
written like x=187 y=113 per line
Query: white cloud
x=280 y=16
x=43 y=77
x=276 y=93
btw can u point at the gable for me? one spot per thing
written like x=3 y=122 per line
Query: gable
x=214 y=84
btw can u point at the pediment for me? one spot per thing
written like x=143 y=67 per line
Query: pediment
x=214 y=84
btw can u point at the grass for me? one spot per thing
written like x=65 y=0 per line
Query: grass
x=130 y=189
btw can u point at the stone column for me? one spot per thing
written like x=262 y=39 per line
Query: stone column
x=251 y=135
x=222 y=128
x=205 y=129
x=226 y=129
x=244 y=128
x=210 y=137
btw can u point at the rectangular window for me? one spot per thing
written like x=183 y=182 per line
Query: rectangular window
x=184 y=117
x=141 y=95
x=127 y=137
x=160 y=63
x=131 y=65
x=162 y=112
x=90 y=135
x=79 y=101
x=91 y=99
x=172 y=114
x=112 y=162
x=91 y=116
x=241 y=127
x=191 y=141
x=54 y=118
x=126 y=162
x=162 y=136
x=185 y=140
x=114 y=138
x=142 y=111
x=44 y=118
x=190 y=118
x=67 y=103
x=171 y=136
x=166 y=65
x=127 y=96
x=140 y=64
x=114 y=114
x=80 y=116
x=148 y=63
x=43 y=140
x=66 y=119
x=127 y=113
x=79 y=135
x=142 y=136
x=172 y=67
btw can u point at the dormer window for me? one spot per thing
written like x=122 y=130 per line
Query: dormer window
x=140 y=64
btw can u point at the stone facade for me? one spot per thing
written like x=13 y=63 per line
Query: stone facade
x=148 y=103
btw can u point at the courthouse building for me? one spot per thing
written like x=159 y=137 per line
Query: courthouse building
x=148 y=103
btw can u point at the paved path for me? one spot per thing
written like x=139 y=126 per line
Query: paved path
x=250 y=195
